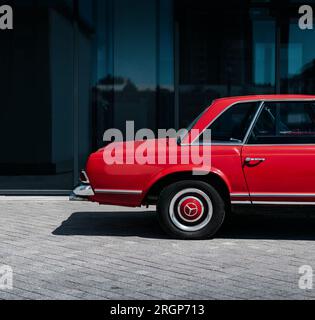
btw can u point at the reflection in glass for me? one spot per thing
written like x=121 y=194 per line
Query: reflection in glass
x=298 y=61
x=36 y=113
x=224 y=51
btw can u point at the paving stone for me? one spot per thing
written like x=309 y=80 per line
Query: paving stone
x=64 y=250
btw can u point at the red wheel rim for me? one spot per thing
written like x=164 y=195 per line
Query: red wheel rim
x=190 y=209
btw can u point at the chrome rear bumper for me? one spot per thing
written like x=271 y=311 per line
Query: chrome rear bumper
x=83 y=191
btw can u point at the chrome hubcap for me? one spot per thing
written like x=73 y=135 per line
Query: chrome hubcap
x=191 y=210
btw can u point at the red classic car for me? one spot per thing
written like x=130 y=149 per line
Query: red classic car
x=262 y=153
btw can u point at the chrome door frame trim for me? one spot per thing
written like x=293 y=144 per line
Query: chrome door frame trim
x=218 y=116
x=274 y=144
x=252 y=125
x=262 y=102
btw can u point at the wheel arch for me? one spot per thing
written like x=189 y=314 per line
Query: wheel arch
x=215 y=178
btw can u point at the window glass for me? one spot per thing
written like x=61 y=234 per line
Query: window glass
x=285 y=123
x=234 y=123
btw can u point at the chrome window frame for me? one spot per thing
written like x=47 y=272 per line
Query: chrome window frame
x=251 y=127
x=278 y=144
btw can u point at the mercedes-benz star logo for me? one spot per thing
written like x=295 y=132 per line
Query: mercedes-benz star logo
x=191 y=209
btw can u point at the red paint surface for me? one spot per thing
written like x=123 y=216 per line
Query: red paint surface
x=287 y=169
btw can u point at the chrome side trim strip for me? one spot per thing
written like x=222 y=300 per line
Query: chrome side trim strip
x=278 y=203
x=241 y=202
x=284 y=203
x=283 y=195
x=274 y=195
x=112 y=191
x=239 y=195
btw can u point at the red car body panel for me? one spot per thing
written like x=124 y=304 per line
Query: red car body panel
x=289 y=169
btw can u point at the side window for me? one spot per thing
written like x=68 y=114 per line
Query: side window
x=234 y=123
x=285 y=123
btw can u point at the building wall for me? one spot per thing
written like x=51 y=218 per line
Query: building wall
x=25 y=121
x=71 y=69
x=135 y=59
x=61 y=53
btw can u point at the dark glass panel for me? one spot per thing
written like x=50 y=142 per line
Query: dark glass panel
x=234 y=123
x=285 y=123
x=224 y=50
x=36 y=114
x=297 y=56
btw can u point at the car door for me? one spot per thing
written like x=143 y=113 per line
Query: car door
x=228 y=132
x=279 y=155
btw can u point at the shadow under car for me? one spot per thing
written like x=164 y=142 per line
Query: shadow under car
x=263 y=223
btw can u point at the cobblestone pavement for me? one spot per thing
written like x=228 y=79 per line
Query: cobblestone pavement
x=63 y=250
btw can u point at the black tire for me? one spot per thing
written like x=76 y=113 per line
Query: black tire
x=191 y=210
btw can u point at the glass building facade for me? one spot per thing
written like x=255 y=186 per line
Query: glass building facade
x=70 y=69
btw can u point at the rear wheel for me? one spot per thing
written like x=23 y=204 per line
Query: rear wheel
x=191 y=210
